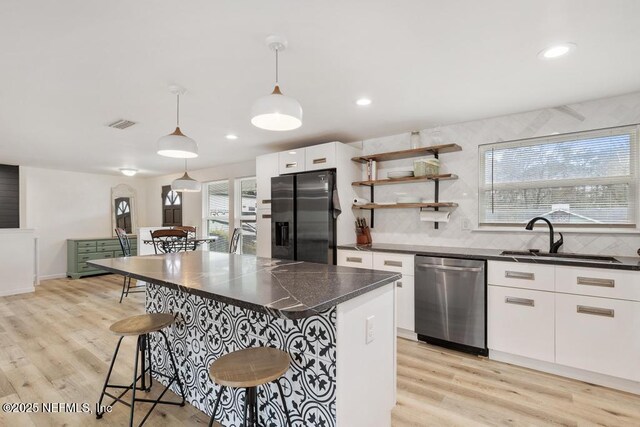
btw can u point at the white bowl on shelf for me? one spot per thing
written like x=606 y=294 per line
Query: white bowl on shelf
x=399 y=174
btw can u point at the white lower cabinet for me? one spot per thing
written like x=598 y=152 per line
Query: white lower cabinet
x=405 y=303
x=263 y=233
x=598 y=334
x=521 y=322
x=359 y=259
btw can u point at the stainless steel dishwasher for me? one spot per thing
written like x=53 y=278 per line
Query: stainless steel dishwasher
x=450 y=303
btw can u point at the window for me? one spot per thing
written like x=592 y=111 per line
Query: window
x=584 y=178
x=245 y=213
x=218 y=214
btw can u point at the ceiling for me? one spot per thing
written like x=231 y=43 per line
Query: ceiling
x=70 y=68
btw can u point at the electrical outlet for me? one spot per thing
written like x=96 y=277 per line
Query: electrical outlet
x=370 y=329
x=466 y=224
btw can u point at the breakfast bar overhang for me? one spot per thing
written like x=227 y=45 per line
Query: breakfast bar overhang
x=337 y=324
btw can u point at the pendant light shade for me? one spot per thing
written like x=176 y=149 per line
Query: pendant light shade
x=177 y=144
x=276 y=112
x=185 y=182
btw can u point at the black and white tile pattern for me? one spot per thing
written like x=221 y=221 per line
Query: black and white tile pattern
x=206 y=329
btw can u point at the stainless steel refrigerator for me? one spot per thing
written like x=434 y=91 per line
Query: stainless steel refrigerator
x=302 y=224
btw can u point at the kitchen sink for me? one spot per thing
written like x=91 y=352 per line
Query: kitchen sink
x=577 y=257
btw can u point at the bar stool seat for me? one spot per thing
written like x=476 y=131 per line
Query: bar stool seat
x=248 y=369
x=142 y=324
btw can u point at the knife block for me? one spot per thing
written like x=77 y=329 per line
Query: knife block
x=363 y=236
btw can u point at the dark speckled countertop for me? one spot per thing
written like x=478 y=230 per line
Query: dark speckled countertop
x=624 y=263
x=281 y=288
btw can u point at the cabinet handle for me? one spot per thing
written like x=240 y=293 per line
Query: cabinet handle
x=354 y=259
x=399 y=284
x=606 y=312
x=265 y=216
x=266 y=201
x=520 y=301
x=291 y=165
x=393 y=263
x=519 y=275
x=319 y=161
x=591 y=281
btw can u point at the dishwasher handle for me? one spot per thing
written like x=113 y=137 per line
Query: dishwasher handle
x=450 y=268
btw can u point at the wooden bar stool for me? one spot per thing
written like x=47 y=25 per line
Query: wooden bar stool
x=141 y=326
x=248 y=369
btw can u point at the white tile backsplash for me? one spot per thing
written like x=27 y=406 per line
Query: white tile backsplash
x=403 y=225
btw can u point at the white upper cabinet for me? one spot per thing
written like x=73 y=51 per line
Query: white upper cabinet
x=291 y=161
x=321 y=156
x=266 y=168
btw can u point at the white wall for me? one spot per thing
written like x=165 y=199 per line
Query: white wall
x=60 y=205
x=403 y=225
x=192 y=212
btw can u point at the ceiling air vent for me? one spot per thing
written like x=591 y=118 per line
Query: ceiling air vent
x=121 y=124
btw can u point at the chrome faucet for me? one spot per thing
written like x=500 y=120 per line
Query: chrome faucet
x=553 y=246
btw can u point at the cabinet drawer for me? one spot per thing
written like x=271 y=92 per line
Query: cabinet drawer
x=91 y=244
x=321 y=156
x=598 y=282
x=291 y=161
x=521 y=321
x=521 y=275
x=360 y=259
x=399 y=263
x=89 y=256
x=83 y=268
x=89 y=249
x=405 y=303
x=599 y=335
x=109 y=248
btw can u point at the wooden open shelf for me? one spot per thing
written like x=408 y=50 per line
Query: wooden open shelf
x=406 y=205
x=406 y=154
x=405 y=180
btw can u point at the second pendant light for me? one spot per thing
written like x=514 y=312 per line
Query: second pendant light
x=185 y=182
x=276 y=112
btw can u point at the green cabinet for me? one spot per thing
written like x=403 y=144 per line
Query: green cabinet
x=79 y=251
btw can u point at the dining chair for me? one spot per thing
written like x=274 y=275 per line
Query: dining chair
x=191 y=235
x=235 y=239
x=168 y=241
x=125 y=245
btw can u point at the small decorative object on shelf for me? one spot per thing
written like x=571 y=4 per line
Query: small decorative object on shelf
x=414 y=139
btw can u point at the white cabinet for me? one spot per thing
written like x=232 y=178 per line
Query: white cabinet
x=399 y=263
x=405 y=303
x=521 y=321
x=266 y=168
x=291 y=161
x=521 y=275
x=598 y=282
x=359 y=259
x=263 y=234
x=322 y=156
x=599 y=335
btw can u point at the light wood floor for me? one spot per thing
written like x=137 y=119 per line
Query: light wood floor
x=55 y=346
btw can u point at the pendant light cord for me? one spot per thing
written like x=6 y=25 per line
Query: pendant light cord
x=277 y=65
x=178 y=110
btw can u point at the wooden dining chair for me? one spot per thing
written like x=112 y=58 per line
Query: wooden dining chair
x=191 y=235
x=168 y=241
x=235 y=240
x=125 y=245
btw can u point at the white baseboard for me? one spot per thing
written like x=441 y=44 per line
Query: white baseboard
x=16 y=291
x=52 y=276
x=567 y=371
x=406 y=334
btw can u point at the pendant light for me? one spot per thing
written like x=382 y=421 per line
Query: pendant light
x=185 y=182
x=177 y=144
x=276 y=111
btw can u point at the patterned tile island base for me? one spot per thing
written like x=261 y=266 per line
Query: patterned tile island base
x=206 y=329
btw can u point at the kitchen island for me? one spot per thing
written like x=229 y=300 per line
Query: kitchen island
x=337 y=323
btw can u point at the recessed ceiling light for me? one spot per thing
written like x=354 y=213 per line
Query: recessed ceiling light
x=363 y=101
x=556 y=51
x=128 y=172
x=231 y=136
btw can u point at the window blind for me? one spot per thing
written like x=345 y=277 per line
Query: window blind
x=586 y=178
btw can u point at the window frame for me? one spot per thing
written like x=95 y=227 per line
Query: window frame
x=207 y=217
x=633 y=179
x=238 y=216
